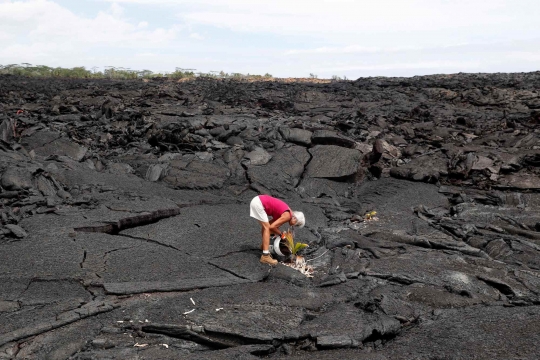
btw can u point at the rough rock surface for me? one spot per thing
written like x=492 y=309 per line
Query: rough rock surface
x=125 y=229
x=330 y=161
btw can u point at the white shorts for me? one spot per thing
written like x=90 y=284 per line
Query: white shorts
x=256 y=210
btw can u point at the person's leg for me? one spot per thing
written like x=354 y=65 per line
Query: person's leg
x=266 y=258
x=256 y=210
x=265 y=233
x=262 y=234
x=262 y=237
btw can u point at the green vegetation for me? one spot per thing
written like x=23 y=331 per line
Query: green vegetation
x=293 y=246
x=111 y=72
x=119 y=73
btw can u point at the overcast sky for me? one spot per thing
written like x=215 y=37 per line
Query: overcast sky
x=286 y=38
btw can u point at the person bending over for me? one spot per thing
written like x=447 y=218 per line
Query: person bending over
x=263 y=206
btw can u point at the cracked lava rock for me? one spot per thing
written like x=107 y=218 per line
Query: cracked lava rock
x=125 y=229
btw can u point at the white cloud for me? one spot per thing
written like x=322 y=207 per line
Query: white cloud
x=356 y=61
x=526 y=55
x=147 y=54
x=404 y=66
x=348 y=17
x=5 y=36
x=283 y=37
x=147 y=2
x=50 y=32
x=116 y=9
x=351 y=49
x=196 y=36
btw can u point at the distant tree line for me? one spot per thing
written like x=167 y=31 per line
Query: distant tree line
x=111 y=72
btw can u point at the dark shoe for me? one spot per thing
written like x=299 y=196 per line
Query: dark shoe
x=267 y=259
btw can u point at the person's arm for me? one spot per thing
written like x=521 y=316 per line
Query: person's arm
x=274 y=226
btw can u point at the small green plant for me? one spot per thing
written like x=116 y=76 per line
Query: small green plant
x=370 y=215
x=293 y=246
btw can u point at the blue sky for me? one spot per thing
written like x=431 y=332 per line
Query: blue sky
x=286 y=38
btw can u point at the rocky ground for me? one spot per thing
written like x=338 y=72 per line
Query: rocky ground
x=125 y=229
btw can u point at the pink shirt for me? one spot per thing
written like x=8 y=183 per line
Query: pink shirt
x=273 y=207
